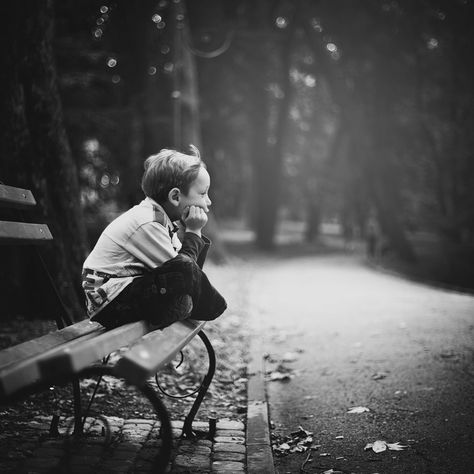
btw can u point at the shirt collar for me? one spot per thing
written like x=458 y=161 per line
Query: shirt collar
x=171 y=226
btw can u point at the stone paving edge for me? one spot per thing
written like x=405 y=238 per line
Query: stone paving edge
x=259 y=450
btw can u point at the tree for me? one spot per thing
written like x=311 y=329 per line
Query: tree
x=35 y=150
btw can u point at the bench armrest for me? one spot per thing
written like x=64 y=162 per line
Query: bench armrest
x=155 y=350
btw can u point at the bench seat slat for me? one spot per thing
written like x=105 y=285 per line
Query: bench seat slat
x=23 y=233
x=16 y=374
x=16 y=197
x=156 y=349
x=77 y=355
x=41 y=344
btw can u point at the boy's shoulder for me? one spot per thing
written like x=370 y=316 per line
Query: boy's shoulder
x=143 y=213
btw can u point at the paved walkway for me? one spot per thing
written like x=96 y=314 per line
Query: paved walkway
x=116 y=445
x=133 y=445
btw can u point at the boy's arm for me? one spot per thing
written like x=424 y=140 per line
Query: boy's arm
x=192 y=245
x=195 y=247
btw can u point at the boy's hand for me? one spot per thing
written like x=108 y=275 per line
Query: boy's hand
x=194 y=219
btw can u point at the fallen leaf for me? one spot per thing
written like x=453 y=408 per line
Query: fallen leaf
x=447 y=354
x=401 y=392
x=289 y=357
x=379 y=375
x=396 y=446
x=340 y=437
x=380 y=446
x=280 y=376
x=376 y=446
x=301 y=432
x=358 y=410
x=298 y=449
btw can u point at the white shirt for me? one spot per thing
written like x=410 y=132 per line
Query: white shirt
x=136 y=242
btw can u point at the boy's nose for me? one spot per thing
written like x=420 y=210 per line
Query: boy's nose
x=208 y=201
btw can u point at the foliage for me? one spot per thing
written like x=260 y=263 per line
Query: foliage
x=308 y=110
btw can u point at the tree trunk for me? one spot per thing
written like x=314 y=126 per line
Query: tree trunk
x=270 y=119
x=35 y=151
x=187 y=124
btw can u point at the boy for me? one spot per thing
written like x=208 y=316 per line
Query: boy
x=139 y=269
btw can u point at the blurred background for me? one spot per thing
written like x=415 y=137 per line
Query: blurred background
x=347 y=118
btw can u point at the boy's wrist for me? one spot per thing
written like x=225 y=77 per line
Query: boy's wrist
x=197 y=232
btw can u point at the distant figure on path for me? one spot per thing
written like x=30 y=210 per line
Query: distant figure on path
x=372 y=236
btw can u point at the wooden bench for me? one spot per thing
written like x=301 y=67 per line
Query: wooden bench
x=76 y=351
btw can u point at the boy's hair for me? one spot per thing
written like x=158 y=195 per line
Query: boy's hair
x=170 y=169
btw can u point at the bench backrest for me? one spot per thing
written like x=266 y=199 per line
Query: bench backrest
x=13 y=232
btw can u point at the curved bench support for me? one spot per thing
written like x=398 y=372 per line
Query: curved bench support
x=188 y=422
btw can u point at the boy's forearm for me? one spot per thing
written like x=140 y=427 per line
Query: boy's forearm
x=192 y=245
x=203 y=253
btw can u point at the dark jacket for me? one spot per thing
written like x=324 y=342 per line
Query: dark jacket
x=183 y=276
x=162 y=295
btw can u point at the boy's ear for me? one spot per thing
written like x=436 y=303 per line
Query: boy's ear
x=174 y=196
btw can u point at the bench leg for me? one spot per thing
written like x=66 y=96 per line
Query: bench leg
x=188 y=422
x=78 y=423
x=162 y=459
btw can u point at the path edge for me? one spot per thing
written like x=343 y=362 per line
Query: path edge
x=259 y=449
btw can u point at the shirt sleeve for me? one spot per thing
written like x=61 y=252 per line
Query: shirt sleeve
x=151 y=244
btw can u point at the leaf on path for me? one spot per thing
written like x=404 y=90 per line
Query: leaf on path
x=300 y=432
x=400 y=392
x=298 y=449
x=280 y=376
x=299 y=441
x=379 y=375
x=281 y=372
x=289 y=357
x=332 y=471
x=380 y=446
x=396 y=446
x=358 y=410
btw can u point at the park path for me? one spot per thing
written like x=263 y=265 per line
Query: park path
x=353 y=336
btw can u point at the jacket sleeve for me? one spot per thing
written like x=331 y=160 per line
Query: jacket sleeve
x=192 y=246
x=195 y=247
x=203 y=253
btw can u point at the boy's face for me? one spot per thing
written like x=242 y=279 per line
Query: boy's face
x=197 y=194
